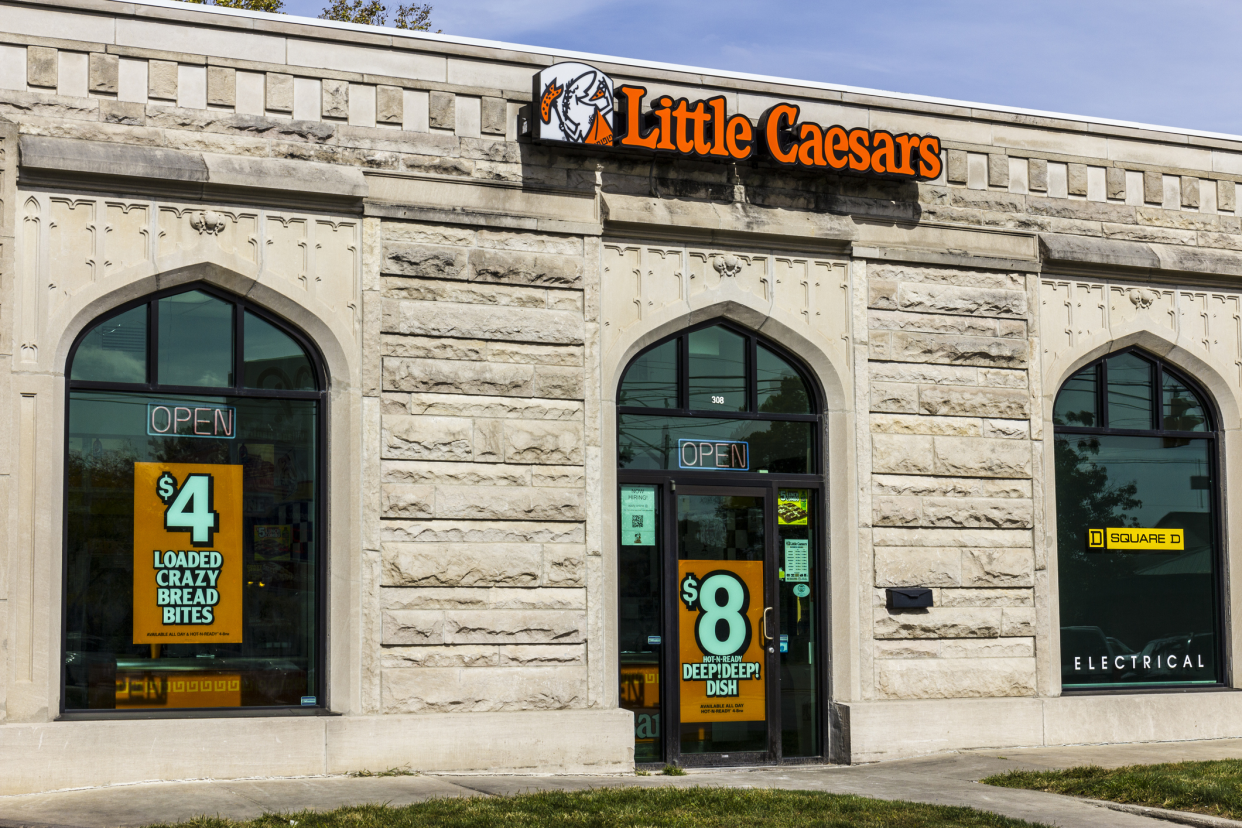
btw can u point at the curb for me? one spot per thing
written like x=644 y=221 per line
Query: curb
x=1182 y=817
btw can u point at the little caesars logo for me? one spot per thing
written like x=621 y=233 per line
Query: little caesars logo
x=577 y=104
x=574 y=105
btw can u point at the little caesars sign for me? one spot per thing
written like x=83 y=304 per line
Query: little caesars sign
x=577 y=104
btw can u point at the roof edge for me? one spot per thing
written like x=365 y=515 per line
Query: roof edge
x=317 y=23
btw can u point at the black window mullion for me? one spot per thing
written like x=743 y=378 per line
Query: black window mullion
x=153 y=343
x=1101 y=378
x=1157 y=395
x=683 y=373
x=752 y=374
x=239 y=346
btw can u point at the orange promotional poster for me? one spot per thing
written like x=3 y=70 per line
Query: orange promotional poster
x=187 y=553
x=721 y=651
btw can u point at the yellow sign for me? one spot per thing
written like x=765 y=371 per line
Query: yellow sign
x=721 y=650
x=154 y=689
x=791 y=507
x=1137 y=540
x=187 y=553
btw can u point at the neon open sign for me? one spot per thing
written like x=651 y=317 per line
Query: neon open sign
x=732 y=455
x=217 y=422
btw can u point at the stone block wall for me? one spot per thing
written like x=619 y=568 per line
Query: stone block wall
x=951 y=494
x=482 y=577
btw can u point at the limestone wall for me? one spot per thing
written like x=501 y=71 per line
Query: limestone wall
x=951 y=494
x=484 y=294
x=482 y=574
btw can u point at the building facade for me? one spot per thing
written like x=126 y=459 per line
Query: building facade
x=375 y=399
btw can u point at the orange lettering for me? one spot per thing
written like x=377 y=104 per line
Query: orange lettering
x=740 y=137
x=882 y=152
x=929 y=157
x=665 y=116
x=719 y=120
x=811 y=152
x=634 y=136
x=681 y=114
x=770 y=126
x=907 y=145
x=836 y=142
x=860 y=154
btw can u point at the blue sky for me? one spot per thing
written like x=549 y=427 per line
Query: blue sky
x=1174 y=63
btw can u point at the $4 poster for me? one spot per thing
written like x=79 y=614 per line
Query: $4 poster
x=187 y=553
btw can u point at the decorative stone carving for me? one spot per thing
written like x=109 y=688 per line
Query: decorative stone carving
x=728 y=265
x=1141 y=298
x=208 y=221
x=1075 y=310
x=68 y=244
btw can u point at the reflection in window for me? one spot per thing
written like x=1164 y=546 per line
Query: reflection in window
x=115 y=350
x=651 y=380
x=266 y=537
x=1129 y=392
x=196 y=340
x=1076 y=404
x=1183 y=410
x=717 y=370
x=1137 y=542
x=781 y=389
x=274 y=360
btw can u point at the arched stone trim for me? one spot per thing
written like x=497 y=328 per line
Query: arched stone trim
x=334 y=339
x=839 y=462
x=40 y=388
x=1223 y=395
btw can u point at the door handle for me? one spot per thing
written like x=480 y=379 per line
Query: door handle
x=766 y=635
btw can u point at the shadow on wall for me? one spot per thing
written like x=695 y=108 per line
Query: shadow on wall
x=758 y=183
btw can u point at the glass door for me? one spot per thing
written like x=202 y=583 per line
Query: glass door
x=719 y=622
x=725 y=627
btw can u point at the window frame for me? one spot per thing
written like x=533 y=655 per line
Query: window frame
x=152 y=387
x=683 y=409
x=666 y=482
x=1159 y=367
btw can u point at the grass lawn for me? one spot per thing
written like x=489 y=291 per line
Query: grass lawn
x=640 y=808
x=1204 y=787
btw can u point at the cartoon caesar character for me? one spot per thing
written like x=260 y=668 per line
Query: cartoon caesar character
x=582 y=104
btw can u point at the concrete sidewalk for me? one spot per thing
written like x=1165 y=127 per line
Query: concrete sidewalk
x=949 y=779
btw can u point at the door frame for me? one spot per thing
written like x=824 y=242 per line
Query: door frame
x=767 y=486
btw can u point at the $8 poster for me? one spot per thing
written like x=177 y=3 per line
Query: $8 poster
x=720 y=608
x=187 y=553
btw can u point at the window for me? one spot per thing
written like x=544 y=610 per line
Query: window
x=718 y=384
x=719 y=477
x=193 y=551
x=1138 y=541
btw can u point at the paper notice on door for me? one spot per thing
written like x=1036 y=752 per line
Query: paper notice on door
x=638 y=508
x=797 y=561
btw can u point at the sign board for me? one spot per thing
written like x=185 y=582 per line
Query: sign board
x=638 y=515
x=720 y=616
x=218 y=422
x=187 y=553
x=715 y=455
x=797 y=561
x=791 y=507
x=1136 y=540
x=578 y=104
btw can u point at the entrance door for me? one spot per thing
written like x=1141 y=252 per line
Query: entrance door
x=724 y=637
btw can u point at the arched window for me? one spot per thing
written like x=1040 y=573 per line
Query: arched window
x=193 y=510
x=721 y=535
x=1138 y=537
